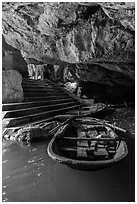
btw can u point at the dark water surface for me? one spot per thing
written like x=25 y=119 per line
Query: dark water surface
x=29 y=175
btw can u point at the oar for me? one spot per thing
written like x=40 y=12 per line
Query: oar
x=62 y=124
x=104 y=122
x=110 y=125
x=65 y=122
x=92 y=139
x=115 y=127
x=109 y=106
x=94 y=120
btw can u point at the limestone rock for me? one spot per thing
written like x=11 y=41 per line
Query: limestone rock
x=69 y=32
x=74 y=33
x=12 y=59
x=11 y=86
x=30 y=133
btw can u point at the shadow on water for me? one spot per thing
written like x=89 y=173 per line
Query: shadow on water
x=26 y=173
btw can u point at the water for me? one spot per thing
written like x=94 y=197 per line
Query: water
x=29 y=175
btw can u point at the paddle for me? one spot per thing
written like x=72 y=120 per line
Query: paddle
x=65 y=122
x=108 y=124
x=92 y=139
x=83 y=115
x=62 y=124
x=68 y=120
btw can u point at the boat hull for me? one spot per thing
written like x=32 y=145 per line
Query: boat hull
x=54 y=153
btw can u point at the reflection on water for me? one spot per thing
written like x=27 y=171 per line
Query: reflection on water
x=26 y=174
x=29 y=175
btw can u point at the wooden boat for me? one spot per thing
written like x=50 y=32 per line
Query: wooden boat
x=87 y=144
x=89 y=110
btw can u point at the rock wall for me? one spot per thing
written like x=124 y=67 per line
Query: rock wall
x=12 y=59
x=69 y=33
x=11 y=86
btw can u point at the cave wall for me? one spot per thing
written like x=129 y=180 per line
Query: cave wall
x=12 y=59
x=14 y=68
x=69 y=32
x=12 y=86
x=97 y=37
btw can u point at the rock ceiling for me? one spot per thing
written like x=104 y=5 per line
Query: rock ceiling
x=73 y=33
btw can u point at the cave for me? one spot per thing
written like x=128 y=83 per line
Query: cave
x=95 y=43
x=68 y=66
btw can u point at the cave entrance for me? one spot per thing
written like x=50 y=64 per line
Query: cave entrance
x=41 y=71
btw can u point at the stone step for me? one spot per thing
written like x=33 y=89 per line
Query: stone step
x=44 y=86
x=42 y=100
x=15 y=106
x=38 y=83
x=26 y=83
x=35 y=82
x=46 y=98
x=45 y=81
x=29 y=124
x=38 y=80
x=38 y=110
x=47 y=94
x=42 y=89
x=12 y=122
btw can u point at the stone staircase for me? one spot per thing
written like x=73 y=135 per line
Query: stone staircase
x=42 y=101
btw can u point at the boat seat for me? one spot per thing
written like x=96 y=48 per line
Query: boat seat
x=68 y=149
x=81 y=152
x=82 y=145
